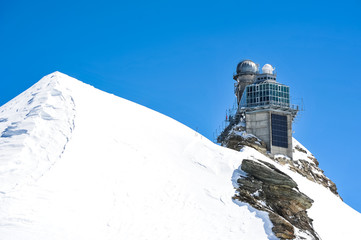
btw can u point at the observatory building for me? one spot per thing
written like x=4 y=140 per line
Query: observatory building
x=265 y=105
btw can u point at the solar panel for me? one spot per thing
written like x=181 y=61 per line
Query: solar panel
x=279 y=130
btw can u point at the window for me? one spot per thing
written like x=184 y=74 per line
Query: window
x=264 y=94
x=279 y=130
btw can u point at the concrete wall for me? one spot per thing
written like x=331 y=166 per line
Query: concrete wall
x=259 y=124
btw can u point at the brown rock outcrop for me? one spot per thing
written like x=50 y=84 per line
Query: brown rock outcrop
x=308 y=167
x=237 y=138
x=266 y=188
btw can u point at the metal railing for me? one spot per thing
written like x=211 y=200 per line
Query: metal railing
x=234 y=113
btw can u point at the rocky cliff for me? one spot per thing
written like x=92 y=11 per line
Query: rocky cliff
x=263 y=186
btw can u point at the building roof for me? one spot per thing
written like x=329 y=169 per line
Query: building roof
x=247 y=66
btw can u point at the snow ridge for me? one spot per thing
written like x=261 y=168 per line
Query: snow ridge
x=128 y=172
x=40 y=118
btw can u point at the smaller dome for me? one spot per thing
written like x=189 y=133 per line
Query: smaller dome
x=247 y=66
x=267 y=68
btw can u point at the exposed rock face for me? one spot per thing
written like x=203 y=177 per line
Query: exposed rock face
x=268 y=189
x=307 y=165
x=304 y=164
x=237 y=138
x=269 y=174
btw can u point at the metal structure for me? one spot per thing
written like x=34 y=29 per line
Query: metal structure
x=265 y=106
x=267 y=95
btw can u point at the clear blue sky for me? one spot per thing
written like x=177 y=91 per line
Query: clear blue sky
x=178 y=57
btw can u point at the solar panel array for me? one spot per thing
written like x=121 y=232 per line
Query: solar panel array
x=279 y=130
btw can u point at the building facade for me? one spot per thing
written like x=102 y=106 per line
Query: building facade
x=266 y=105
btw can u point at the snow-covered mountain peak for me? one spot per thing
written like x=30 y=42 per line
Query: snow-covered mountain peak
x=79 y=163
x=57 y=73
x=40 y=118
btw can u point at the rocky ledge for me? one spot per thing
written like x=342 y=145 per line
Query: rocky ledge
x=305 y=164
x=268 y=189
x=237 y=138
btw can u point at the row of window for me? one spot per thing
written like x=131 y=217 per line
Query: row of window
x=268 y=86
x=266 y=94
x=265 y=78
x=268 y=100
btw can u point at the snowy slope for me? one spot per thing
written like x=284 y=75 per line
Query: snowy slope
x=78 y=163
x=35 y=125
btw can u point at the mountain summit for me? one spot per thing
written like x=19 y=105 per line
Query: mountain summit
x=79 y=163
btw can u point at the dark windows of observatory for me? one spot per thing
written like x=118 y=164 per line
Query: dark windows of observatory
x=265 y=94
x=279 y=130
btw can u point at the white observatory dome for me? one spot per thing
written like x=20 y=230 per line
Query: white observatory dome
x=267 y=68
x=247 y=66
